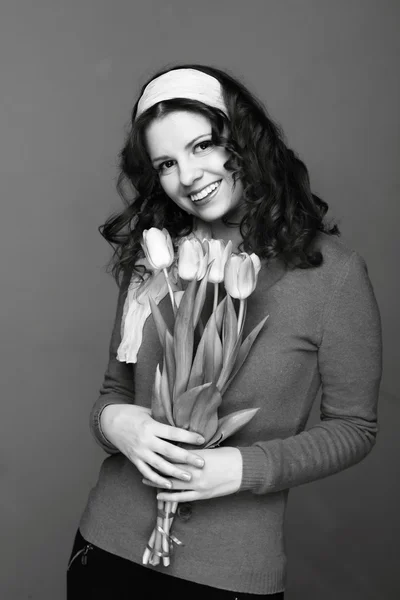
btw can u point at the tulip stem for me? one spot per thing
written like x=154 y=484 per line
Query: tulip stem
x=240 y=317
x=215 y=297
x=171 y=295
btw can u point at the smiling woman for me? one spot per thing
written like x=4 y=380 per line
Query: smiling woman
x=192 y=169
x=204 y=159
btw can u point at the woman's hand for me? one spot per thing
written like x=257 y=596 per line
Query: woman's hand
x=220 y=476
x=144 y=442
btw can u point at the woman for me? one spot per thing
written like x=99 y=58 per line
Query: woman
x=202 y=153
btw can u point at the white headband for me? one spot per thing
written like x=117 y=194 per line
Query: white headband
x=183 y=83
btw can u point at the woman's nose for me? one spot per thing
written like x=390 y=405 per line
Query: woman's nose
x=189 y=173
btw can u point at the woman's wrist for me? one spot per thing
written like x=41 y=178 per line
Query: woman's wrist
x=107 y=419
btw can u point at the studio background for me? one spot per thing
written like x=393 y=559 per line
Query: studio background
x=70 y=72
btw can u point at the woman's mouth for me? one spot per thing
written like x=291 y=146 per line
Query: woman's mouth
x=206 y=194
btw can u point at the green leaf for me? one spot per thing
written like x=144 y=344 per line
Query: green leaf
x=196 y=377
x=245 y=349
x=212 y=351
x=157 y=407
x=159 y=321
x=219 y=315
x=183 y=404
x=204 y=416
x=230 y=424
x=229 y=331
x=184 y=340
x=201 y=296
x=233 y=343
x=165 y=394
x=170 y=361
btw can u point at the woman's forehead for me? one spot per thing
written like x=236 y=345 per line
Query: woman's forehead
x=177 y=128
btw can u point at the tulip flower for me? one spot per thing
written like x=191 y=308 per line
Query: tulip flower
x=241 y=272
x=218 y=251
x=159 y=250
x=192 y=259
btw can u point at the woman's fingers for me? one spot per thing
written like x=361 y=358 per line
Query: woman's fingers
x=175 y=484
x=175 y=434
x=178 y=455
x=184 y=496
x=151 y=476
x=168 y=469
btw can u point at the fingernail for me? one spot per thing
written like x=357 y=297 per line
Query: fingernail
x=168 y=484
x=186 y=476
x=199 y=462
x=200 y=439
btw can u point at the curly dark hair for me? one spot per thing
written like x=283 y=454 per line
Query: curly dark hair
x=282 y=216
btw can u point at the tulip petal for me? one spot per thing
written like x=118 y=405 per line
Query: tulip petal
x=187 y=260
x=256 y=263
x=158 y=248
x=246 y=278
x=231 y=275
x=170 y=245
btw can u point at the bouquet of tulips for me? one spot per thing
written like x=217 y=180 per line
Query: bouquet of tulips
x=190 y=382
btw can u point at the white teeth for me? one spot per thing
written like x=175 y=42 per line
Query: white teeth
x=205 y=192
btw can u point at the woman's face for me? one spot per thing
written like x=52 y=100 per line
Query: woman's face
x=190 y=167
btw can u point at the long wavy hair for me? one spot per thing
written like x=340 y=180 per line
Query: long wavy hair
x=281 y=216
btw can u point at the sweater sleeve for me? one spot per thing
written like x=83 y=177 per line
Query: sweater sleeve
x=350 y=365
x=118 y=382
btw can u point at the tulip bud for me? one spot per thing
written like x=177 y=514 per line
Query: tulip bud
x=219 y=252
x=241 y=272
x=192 y=260
x=158 y=248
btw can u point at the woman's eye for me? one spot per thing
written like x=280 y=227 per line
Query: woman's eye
x=165 y=165
x=204 y=145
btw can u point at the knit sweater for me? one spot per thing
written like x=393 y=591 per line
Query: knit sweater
x=323 y=331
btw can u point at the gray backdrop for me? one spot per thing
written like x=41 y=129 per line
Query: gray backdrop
x=70 y=71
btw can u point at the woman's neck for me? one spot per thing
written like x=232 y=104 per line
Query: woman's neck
x=220 y=231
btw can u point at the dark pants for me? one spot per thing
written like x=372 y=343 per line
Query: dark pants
x=94 y=574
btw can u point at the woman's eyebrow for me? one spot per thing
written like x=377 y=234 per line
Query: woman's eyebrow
x=186 y=147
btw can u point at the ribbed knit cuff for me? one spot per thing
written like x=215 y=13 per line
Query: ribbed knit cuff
x=97 y=430
x=253 y=477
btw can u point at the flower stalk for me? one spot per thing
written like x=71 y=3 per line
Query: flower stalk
x=171 y=293
x=216 y=288
x=242 y=305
